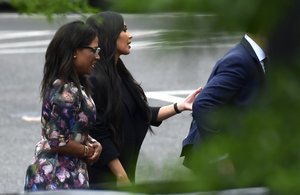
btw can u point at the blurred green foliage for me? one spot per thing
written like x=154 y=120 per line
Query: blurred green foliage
x=231 y=15
x=262 y=143
x=51 y=7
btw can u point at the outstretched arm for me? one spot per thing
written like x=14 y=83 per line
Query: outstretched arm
x=166 y=112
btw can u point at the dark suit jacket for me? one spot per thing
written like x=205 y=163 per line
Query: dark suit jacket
x=235 y=81
x=135 y=127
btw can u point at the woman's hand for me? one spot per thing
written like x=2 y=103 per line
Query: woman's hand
x=187 y=103
x=119 y=172
x=171 y=110
x=95 y=150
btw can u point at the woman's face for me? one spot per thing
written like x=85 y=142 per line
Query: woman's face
x=86 y=57
x=123 y=42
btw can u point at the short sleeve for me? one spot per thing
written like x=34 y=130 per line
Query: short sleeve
x=61 y=116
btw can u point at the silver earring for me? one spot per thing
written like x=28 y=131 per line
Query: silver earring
x=74 y=56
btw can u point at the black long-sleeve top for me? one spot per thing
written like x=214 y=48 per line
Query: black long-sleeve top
x=127 y=150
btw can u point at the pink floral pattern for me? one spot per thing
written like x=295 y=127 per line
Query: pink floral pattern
x=65 y=116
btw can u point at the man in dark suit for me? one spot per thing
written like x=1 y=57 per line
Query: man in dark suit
x=235 y=81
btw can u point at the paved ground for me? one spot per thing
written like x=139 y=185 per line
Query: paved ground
x=165 y=69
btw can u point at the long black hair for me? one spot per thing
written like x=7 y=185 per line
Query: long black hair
x=59 y=55
x=110 y=72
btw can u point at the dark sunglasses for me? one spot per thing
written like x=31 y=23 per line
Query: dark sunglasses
x=94 y=50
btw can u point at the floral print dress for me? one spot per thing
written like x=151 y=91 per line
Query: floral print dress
x=65 y=117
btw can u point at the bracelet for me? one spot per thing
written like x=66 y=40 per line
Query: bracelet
x=176 y=108
x=85 y=151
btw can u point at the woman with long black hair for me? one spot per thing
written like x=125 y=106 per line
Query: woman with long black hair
x=123 y=113
x=68 y=112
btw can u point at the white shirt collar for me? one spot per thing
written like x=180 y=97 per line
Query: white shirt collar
x=258 y=50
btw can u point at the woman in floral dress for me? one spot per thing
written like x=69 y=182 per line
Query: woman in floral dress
x=68 y=112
